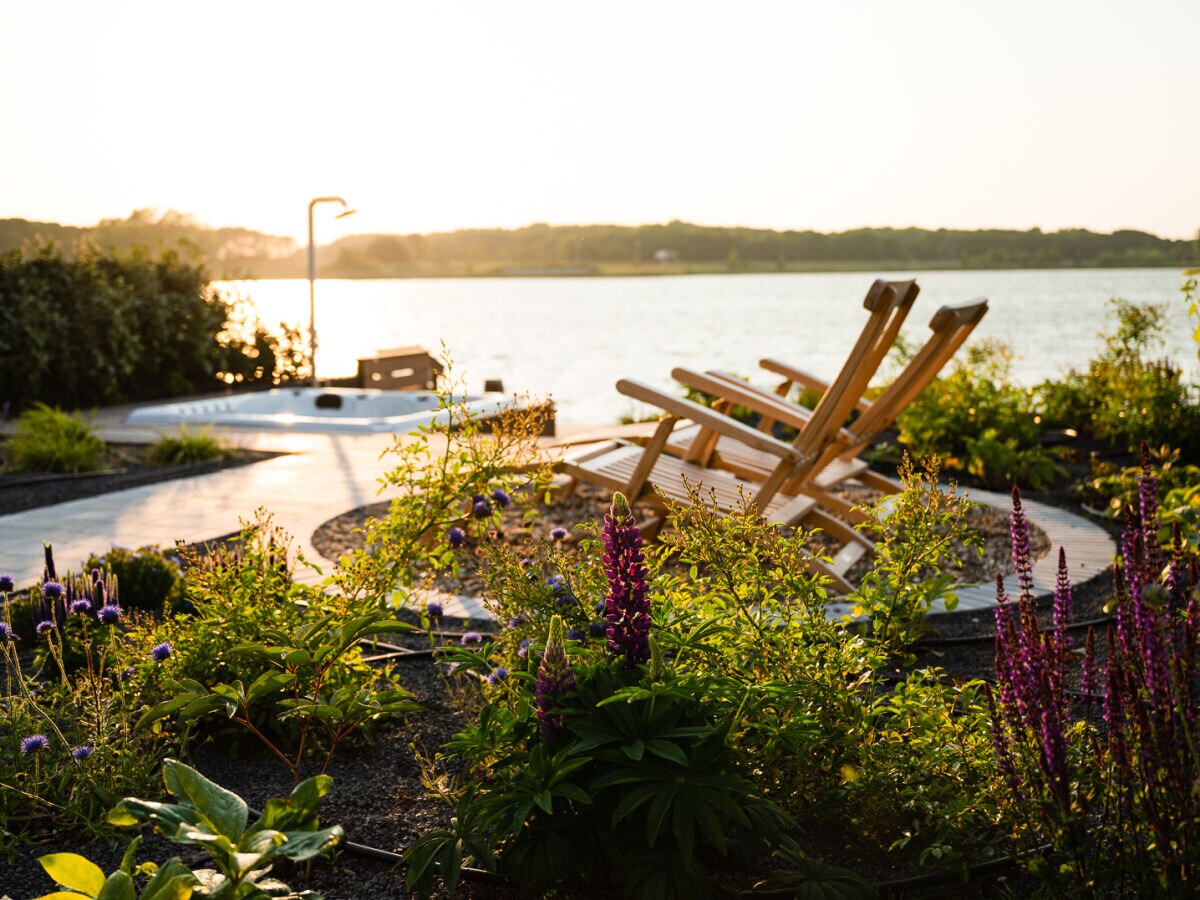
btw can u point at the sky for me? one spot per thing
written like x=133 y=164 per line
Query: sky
x=433 y=116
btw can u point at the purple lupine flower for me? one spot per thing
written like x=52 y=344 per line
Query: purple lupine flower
x=82 y=752
x=35 y=743
x=81 y=607
x=557 y=534
x=627 y=607
x=434 y=609
x=110 y=614
x=482 y=509
x=160 y=652
x=554 y=678
x=501 y=497
x=456 y=536
x=470 y=637
x=497 y=675
x=6 y=584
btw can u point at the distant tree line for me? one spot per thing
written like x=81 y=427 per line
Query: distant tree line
x=678 y=246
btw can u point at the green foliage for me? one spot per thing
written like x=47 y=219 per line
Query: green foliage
x=977 y=420
x=186 y=448
x=1191 y=297
x=1127 y=396
x=150 y=578
x=1114 y=491
x=103 y=327
x=50 y=440
x=217 y=821
x=918 y=531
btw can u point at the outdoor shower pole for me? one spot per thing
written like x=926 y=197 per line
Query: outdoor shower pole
x=312 y=279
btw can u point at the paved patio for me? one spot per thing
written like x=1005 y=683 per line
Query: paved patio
x=324 y=475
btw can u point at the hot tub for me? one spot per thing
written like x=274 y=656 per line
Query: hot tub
x=327 y=410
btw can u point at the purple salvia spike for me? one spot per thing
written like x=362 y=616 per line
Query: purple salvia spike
x=1062 y=611
x=1148 y=509
x=1022 y=554
x=1087 y=675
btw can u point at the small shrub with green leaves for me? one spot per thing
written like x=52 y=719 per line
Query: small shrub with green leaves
x=1114 y=491
x=186 y=448
x=150 y=578
x=217 y=821
x=50 y=440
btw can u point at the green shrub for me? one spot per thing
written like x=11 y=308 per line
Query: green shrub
x=150 y=578
x=186 y=448
x=50 y=440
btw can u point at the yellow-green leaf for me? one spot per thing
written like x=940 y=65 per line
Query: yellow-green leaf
x=74 y=871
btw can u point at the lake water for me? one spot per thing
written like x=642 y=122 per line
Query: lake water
x=572 y=338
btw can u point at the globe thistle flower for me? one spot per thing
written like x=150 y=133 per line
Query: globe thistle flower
x=52 y=590
x=557 y=534
x=160 y=652
x=6 y=584
x=455 y=537
x=6 y=632
x=35 y=743
x=523 y=648
x=110 y=614
x=81 y=607
x=482 y=509
x=82 y=752
x=434 y=609
x=576 y=634
x=565 y=598
x=627 y=607
x=470 y=637
x=497 y=675
x=125 y=674
x=554 y=679
x=517 y=621
x=44 y=627
x=501 y=497
x=598 y=629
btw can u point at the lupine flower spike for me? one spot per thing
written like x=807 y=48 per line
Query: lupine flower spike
x=554 y=679
x=627 y=607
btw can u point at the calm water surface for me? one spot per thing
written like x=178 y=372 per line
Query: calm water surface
x=572 y=338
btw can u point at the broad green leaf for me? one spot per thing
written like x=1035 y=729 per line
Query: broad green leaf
x=667 y=750
x=301 y=845
x=119 y=886
x=173 y=881
x=62 y=895
x=225 y=809
x=74 y=871
x=635 y=750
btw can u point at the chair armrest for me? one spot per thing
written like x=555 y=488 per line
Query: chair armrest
x=707 y=418
x=807 y=379
x=760 y=401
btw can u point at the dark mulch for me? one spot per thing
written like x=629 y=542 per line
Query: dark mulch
x=125 y=466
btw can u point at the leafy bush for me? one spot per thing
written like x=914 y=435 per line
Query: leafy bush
x=102 y=327
x=186 y=448
x=150 y=578
x=50 y=440
x=1115 y=492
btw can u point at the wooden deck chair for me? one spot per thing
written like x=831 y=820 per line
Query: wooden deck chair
x=837 y=460
x=888 y=303
x=646 y=473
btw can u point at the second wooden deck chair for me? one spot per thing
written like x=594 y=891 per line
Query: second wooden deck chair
x=648 y=474
x=888 y=304
x=837 y=460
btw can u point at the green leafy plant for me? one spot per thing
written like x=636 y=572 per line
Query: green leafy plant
x=186 y=448
x=150 y=578
x=218 y=821
x=50 y=440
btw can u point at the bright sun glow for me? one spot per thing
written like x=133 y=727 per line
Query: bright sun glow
x=445 y=115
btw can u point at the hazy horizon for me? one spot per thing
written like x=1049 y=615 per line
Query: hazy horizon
x=783 y=116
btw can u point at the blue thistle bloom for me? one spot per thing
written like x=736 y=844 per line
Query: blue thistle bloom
x=52 y=590
x=433 y=609
x=482 y=509
x=6 y=632
x=160 y=652
x=110 y=614
x=555 y=581
x=566 y=598
x=82 y=752
x=126 y=673
x=576 y=634
x=497 y=675
x=6 y=584
x=557 y=534
x=35 y=743
x=517 y=621
x=470 y=637
x=456 y=536
x=44 y=627
x=523 y=648
x=81 y=607
x=598 y=629
x=501 y=497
